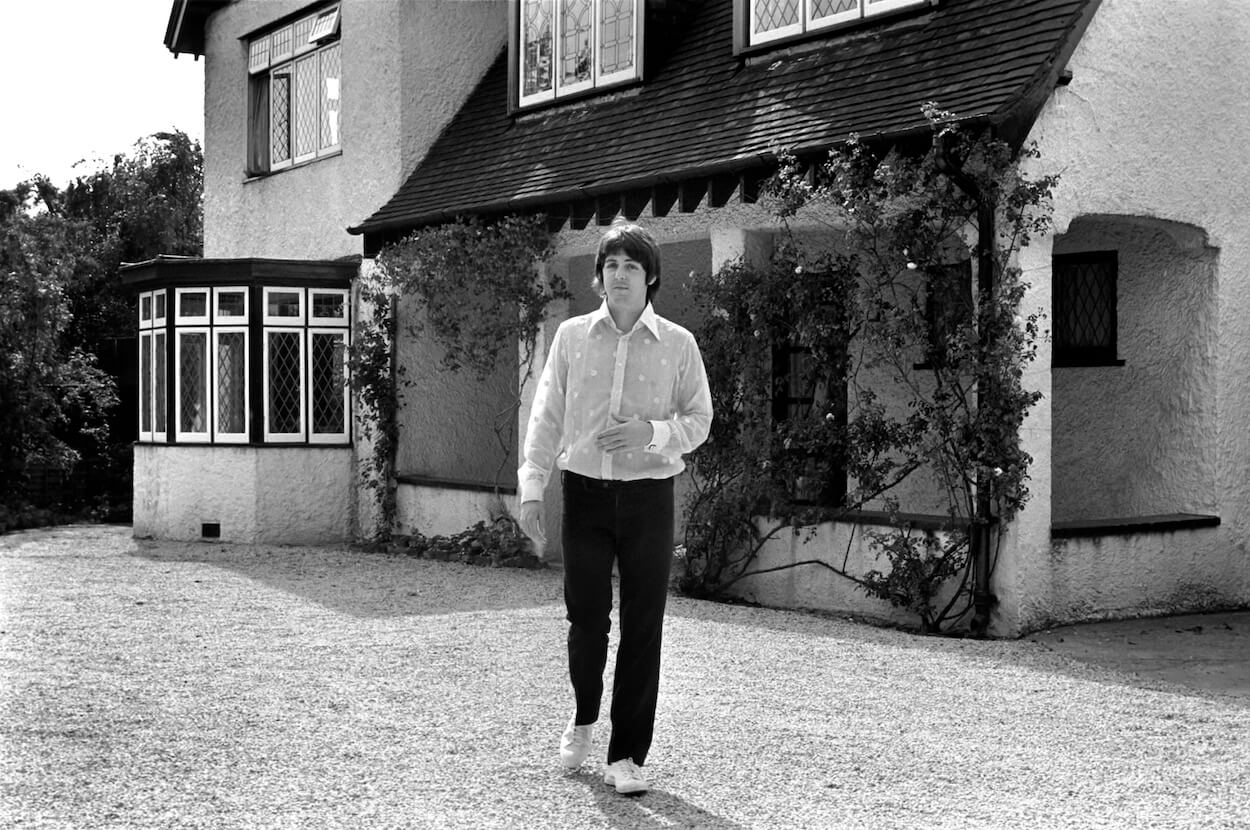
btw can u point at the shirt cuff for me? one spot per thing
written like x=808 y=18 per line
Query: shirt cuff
x=531 y=490
x=661 y=432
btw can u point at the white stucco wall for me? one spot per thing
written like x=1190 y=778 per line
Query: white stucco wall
x=1139 y=439
x=287 y=495
x=407 y=67
x=1151 y=126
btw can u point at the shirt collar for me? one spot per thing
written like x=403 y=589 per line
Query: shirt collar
x=649 y=319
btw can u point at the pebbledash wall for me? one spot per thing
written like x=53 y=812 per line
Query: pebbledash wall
x=1144 y=140
x=406 y=69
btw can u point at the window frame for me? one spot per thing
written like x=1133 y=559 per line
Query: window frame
x=598 y=81
x=278 y=52
x=315 y=437
x=1065 y=356
x=866 y=11
x=206 y=376
x=301 y=436
x=220 y=436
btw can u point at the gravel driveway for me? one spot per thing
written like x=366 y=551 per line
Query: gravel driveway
x=204 y=685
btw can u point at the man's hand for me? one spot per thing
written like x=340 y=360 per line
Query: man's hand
x=531 y=521
x=631 y=434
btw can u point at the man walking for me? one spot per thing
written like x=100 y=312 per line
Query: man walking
x=622 y=397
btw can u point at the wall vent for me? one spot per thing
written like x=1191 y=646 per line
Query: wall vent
x=210 y=530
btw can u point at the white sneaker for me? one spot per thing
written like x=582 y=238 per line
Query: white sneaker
x=626 y=776
x=575 y=743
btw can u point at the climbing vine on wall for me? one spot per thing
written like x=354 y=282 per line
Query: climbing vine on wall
x=890 y=361
x=476 y=288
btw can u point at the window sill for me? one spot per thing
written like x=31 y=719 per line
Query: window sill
x=418 y=480
x=1166 y=523
x=249 y=178
x=255 y=445
x=1086 y=363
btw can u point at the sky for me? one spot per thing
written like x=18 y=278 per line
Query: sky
x=85 y=79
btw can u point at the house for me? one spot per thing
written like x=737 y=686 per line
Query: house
x=333 y=129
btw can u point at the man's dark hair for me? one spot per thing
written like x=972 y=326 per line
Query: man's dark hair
x=637 y=243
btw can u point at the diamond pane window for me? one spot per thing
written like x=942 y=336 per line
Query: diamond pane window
x=331 y=69
x=329 y=383
x=192 y=384
x=158 y=385
x=771 y=15
x=280 y=118
x=305 y=117
x=576 y=52
x=231 y=384
x=145 y=384
x=1085 y=319
x=284 y=383
x=616 y=36
x=770 y=20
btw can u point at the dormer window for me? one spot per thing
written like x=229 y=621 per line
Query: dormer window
x=773 y=20
x=295 y=94
x=566 y=47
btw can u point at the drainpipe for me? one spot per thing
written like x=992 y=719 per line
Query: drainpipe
x=983 y=519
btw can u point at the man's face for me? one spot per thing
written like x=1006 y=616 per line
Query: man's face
x=624 y=283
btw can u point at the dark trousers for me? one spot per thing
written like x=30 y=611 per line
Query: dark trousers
x=630 y=522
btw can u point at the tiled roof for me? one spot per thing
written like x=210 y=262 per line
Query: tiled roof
x=705 y=111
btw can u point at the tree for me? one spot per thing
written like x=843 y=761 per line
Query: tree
x=67 y=322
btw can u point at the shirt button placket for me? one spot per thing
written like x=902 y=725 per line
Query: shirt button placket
x=618 y=390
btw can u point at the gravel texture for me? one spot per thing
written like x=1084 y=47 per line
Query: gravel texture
x=175 y=685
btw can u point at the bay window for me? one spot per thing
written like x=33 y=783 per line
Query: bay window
x=244 y=363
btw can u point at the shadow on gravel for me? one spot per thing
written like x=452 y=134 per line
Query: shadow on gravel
x=655 y=809
x=363 y=585
x=1193 y=655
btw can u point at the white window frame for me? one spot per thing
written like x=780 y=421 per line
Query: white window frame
x=343 y=320
x=807 y=23
x=219 y=435
x=147 y=378
x=287 y=437
x=160 y=401
x=220 y=319
x=279 y=52
x=329 y=437
x=194 y=319
x=597 y=80
x=277 y=320
x=207 y=379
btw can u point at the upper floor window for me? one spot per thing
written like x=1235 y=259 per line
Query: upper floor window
x=294 y=92
x=770 y=20
x=569 y=46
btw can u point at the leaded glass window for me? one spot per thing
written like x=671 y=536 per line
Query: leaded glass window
x=159 y=387
x=569 y=46
x=331 y=70
x=284 y=384
x=295 y=97
x=192 y=385
x=770 y=20
x=305 y=110
x=145 y=385
x=576 y=48
x=328 y=381
x=1085 y=314
x=231 y=378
